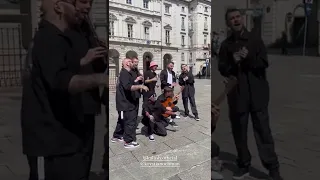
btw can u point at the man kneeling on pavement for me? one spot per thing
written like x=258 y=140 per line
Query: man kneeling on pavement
x=155 y=114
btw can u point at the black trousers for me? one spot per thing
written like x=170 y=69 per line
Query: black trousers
x=192 y=103
x=215 y=149
x=263 y=136
x=64 y=167
x=126 y=125
x=160 y=127
x=74 y=166
x=149 y=124
x=105 y=160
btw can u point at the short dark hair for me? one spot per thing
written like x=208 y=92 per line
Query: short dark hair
x=171 y=62
x=131 y=55
x=183 y=65
x=167 y=89
x=230 y=10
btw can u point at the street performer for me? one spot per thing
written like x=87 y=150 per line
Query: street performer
x=169 y=111
x=244 y=56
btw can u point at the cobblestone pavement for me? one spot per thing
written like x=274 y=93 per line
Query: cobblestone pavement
x=294 y=112
x=189 y=143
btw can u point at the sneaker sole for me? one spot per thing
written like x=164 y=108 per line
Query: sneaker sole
x=131 y=147
x=241 y=177
x=151 y=140
x=114 y=141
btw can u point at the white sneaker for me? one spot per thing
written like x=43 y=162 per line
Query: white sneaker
x=177 y=117
x=131 y=145
x=151 y=138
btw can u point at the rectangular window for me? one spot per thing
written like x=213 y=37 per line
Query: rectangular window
x=111 y=28
x=182 y=56
x=206 y=9
x=167 y=9
x=147 y=33
x=146 y=4
x=130 y=31
x=190 y=58
x=205 y=23
x=167 y=37
x=129 y=1
x=182 y=40
x=182 y=24
x=182 y=9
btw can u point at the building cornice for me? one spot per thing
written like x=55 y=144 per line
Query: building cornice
x=141 y=45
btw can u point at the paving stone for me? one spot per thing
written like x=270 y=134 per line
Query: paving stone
x=177 y=142
x=197 y=136
x=120 y=174
x=199 y=172
x=151 y=150
x=119 y=161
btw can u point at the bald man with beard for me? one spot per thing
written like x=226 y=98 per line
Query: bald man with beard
x=126 y=106
x=53 y=128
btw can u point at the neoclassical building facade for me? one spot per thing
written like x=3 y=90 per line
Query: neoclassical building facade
x=161 y=31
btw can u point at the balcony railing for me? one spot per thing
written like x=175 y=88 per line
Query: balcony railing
x=134 y=40
x=133 y=8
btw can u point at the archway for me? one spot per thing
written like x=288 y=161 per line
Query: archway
x=131 y=54
x=166 y=59
x=114 y=56
x=147 y=58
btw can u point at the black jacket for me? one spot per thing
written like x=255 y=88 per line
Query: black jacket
x=164 y=77
x=189 y=89
x=125 y=98
x=50 y=122
x=91 y=102
x=252 y=91
x=135 y=73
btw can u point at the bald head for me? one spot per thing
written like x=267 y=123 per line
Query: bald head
x=127 y=63
x=59 y=12
x=47 y=6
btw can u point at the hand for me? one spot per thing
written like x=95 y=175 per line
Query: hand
x=139 y=78
x=185 y=78
x=151 y=118
x=244 y=52
x=93 y=54
x=154 y=79
x=145 y=88
x=177 y=97
x=236 y=57
x=168 y=108
x=215 y=110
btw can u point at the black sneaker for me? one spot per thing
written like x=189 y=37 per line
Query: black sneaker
x=275 y=175
x=173 y=124
x=131 y=145
x=241 y=173
x=186 y=115
x=197 y=118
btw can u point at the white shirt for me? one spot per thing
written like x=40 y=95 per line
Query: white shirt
x=169 y=79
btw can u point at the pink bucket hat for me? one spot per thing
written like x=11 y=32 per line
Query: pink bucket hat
x=153 y=63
